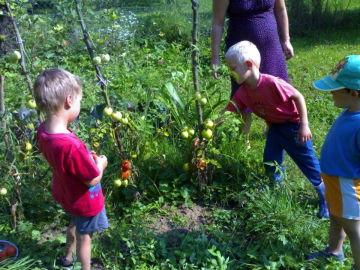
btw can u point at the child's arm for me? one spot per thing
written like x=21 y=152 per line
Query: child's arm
x=101 y=162
x=246 y=116
x=304 y=133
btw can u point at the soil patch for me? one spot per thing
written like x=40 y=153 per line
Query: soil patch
x=182 y=218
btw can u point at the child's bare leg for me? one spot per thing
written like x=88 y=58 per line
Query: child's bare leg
x=336 y=234
x=83 y=250
x=70 y=241
x=352 y=229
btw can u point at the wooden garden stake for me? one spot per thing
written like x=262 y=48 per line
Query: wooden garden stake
x=15 y=172
x=22 y=52
x=103 y=84
x=202 y=175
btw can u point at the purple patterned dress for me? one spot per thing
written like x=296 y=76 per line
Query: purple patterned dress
x=254 y=20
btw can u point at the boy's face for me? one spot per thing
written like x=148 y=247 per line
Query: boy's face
x=342 y=98
x=75 y=106
x=238 y=71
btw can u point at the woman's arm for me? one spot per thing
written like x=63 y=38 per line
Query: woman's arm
x=219 y=13
x=283 y=24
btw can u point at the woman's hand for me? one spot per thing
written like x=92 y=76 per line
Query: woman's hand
x=215 y=65
x=287 y=49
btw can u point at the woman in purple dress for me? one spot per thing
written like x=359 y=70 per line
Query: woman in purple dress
x=257 y=21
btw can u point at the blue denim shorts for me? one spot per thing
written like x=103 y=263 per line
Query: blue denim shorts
x=88 y=225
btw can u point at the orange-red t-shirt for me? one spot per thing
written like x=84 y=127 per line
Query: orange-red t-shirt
x=72 y=167
x=270 y=100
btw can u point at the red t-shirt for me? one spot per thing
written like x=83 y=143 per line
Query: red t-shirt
x=270 y=100
x=72 y=167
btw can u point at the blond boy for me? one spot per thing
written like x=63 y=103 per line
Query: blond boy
x=76 y=173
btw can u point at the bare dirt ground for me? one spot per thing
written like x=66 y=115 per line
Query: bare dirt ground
x=182 y=218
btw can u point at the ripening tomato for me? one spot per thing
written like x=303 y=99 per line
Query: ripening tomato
x=126 y=164
x=125 y=174
x=201 y=163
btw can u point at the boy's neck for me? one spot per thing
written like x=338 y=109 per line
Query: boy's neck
x=253 y=79
x=354 y=107
x=353 y=102
x=55 y=123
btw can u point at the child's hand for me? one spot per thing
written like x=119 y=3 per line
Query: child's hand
x=101 y=161
x=304 y=133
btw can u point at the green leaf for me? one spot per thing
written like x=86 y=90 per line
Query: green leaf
x=172 y=92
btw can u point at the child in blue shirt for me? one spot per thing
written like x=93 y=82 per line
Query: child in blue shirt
x=340 y=161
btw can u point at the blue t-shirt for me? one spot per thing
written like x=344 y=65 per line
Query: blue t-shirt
x=340 y=154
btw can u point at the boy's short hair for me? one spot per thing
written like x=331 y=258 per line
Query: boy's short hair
x=52 y=86
x=244 y=51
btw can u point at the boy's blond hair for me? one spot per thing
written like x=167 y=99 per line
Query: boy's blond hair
x=244 y=51
x=52 y=86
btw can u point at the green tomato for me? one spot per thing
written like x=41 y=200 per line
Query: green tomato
x=97 y=60
x=186 y=167
x=207 y=133
x=3 y=191
x=125 y=121
x=197 y=96
x=108 y=111
x=28 y=146
x=32 y=103
x=117 y=182
x=185 y=134
x=203 y=101
x=209 y=124
x=116 y=116
x=31 y=126
x=14 y=57
x=105 y=58
x=125 y=182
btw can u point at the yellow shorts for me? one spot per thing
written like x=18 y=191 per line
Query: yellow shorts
x=342 y=196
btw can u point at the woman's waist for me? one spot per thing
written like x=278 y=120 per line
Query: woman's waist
x=240 y=16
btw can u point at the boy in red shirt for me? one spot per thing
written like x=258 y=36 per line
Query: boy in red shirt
x=284 y=110
x=76 y=173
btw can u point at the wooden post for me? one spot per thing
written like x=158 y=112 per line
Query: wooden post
x=99 y=75
x=14 y=170
x=202 y=172
x=22 y=52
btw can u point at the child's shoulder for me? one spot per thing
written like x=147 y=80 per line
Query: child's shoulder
x=275 y=82
x=273 y=79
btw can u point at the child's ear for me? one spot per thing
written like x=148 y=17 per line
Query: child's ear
x=68 y=101
x=249 y=63
x=354 y=93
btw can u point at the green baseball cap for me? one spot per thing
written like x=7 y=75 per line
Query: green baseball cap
x=346 y=74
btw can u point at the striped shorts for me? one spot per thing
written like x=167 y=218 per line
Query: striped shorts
x=342 y=196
